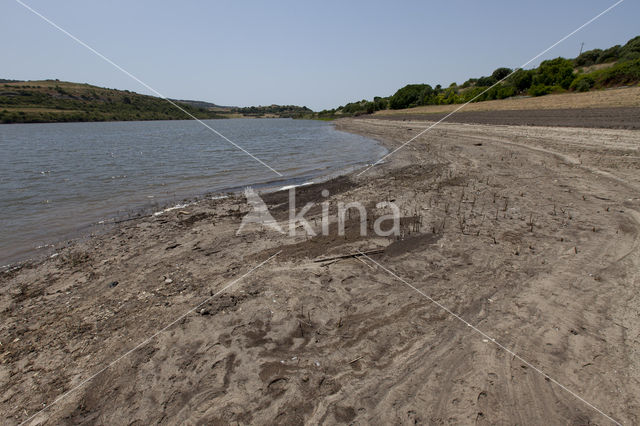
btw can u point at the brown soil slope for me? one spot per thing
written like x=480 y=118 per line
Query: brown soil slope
x=616 y=109
x=610 y=98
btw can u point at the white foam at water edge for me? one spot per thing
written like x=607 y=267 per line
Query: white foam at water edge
x=182 y=206
x=284 y=188
x=177 y=206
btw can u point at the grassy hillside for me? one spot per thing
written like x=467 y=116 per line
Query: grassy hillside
x=58 y=101
x=202 y=104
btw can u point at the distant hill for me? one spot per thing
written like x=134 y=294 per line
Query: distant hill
x=48 y=101
x=281 y=111
x=203 y=104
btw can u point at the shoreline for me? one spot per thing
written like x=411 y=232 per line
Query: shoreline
x=42 y=248
x=91 y=230
x=530 y=233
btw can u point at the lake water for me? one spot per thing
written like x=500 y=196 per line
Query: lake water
x=61 y=179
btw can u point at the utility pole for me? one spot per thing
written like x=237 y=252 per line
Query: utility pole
x=581 y=46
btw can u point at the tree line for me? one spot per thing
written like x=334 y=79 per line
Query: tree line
x=281 y=111
x=551 y=76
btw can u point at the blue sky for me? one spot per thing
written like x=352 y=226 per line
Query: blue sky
x=318 y=54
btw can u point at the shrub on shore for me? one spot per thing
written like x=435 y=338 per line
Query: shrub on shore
x=582 y=83
x=623 y=73
x=540 y=90
x=554 y=72
x=412 y=95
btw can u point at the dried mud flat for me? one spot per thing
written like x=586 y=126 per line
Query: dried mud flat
x=530 y=234
x=613 y=118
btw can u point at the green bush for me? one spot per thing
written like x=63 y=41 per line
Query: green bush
x=609 y=55
x=628 y=52
x=381 y=103
x=554 y=72
x=412 y=95
x=622 y=73
x=588 y=58
x=540 y=90
x=505 y=92
x=486 y=81
x=469 y=83
x=352 y=107
x=582 y=83
x=448 y=96
x=631 y=50
x=370 y=107
x=470 y=94
x=501 y=73
x=522 y=79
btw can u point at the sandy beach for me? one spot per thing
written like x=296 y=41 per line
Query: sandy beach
x=510 y=298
